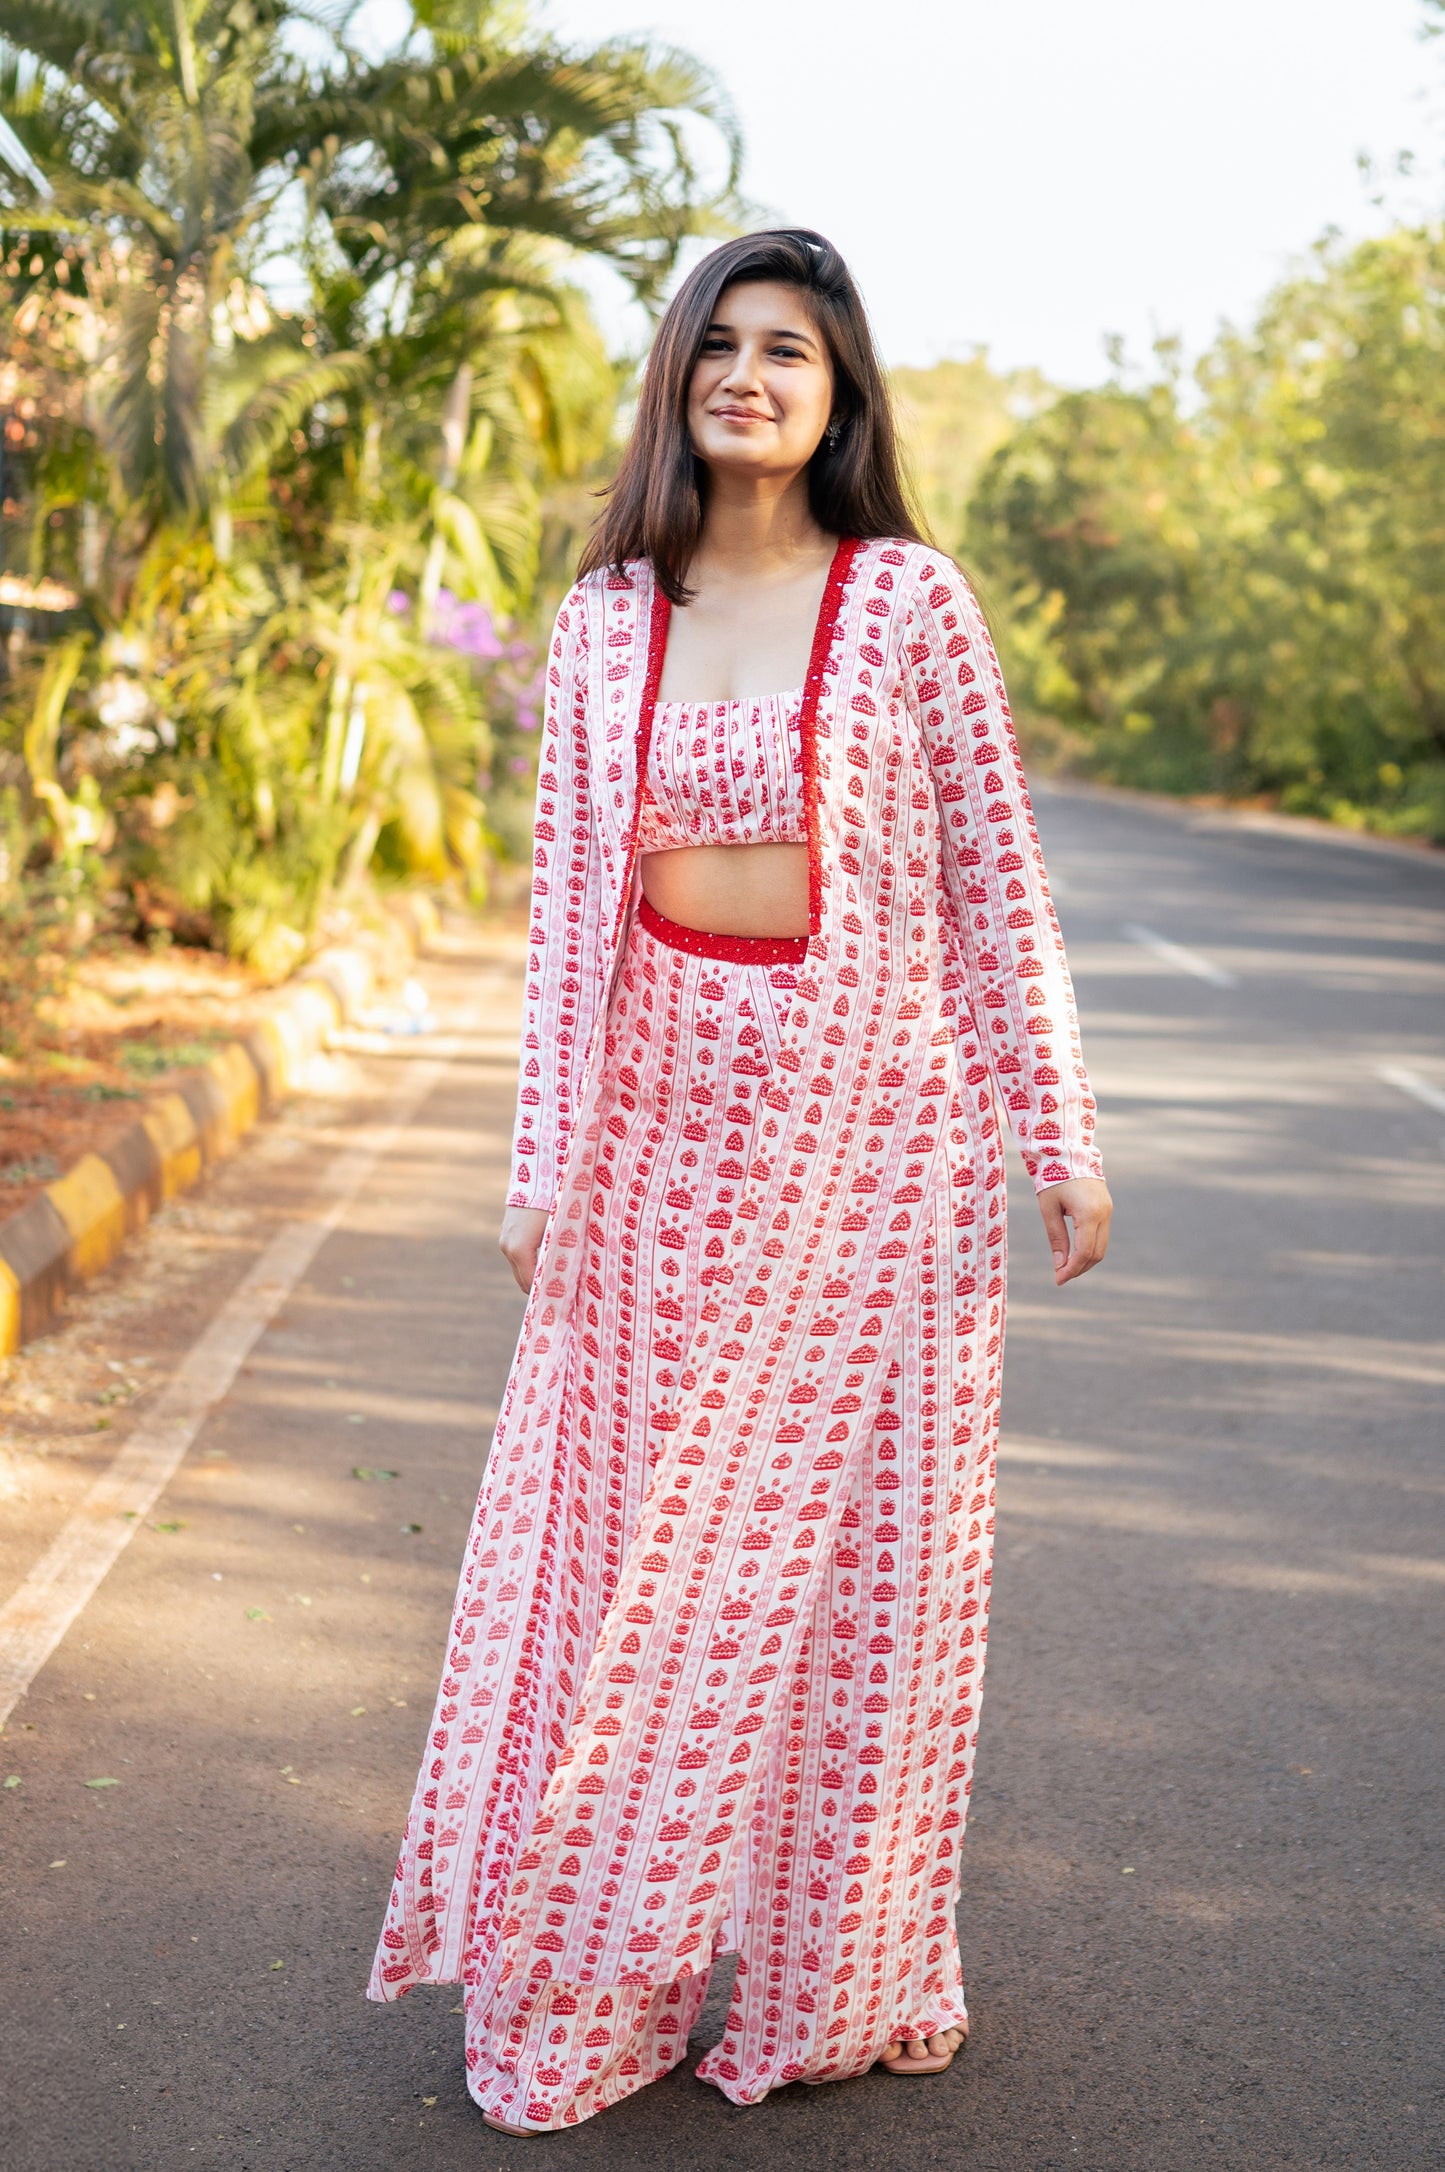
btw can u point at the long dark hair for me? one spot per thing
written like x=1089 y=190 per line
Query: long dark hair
x=855 y=483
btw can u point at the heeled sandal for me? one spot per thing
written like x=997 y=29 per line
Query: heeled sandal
x=503 y=2128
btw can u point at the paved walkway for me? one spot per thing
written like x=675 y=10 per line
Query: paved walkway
x=1200 y=1920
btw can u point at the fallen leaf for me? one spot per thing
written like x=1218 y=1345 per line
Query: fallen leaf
x=364 y=1470
x=102 y=1783
x=299 y=1601
x=1127 y=1871
x=275 y=1965
x=257 y=1613
x=12 y=1779
x=428 y=2100
x=168 y=1527
x=459 y=2009
x=354 y=1417
x=408 y=1529
x=59 y=1863
x=357 y=1712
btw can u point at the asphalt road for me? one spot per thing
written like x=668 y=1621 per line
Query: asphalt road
x=1201 y=1903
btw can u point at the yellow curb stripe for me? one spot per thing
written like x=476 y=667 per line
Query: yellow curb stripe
x=89 y=1198
x=172 y=1132
x=9 y=1310
x=92 y=1206
x=280 y=1038
x=235 y=1074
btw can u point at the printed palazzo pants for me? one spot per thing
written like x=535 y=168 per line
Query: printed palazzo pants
x=842 y=1913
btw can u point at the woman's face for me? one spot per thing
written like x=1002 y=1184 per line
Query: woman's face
x=762 y=386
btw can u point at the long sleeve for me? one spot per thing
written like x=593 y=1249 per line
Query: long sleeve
x=997 y=896
x=564 y=963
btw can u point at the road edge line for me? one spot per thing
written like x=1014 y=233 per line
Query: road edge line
x=37 y=1615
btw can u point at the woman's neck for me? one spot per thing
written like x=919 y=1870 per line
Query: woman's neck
x=754 y=529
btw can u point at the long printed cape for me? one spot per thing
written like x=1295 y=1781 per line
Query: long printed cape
x=547 y=1838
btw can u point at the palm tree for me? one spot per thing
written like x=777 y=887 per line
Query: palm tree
x=165 y=143
x=136 y=118
x=267 y=476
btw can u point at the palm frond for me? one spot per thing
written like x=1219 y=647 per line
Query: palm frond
x=269 y=388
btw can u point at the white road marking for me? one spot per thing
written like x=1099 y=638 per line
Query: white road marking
x=1186 y=961
x=1410 y=1082
x=63 y=1581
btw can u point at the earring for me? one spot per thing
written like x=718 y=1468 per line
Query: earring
x=834 y=432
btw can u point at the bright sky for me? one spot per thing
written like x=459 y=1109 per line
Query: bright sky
x=1035 y=176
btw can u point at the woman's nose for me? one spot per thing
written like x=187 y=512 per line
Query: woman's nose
x=743 y=374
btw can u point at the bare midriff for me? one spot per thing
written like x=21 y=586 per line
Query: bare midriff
x=730 y=889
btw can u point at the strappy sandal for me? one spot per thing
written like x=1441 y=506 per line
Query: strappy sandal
x=932 y=2062
x=503 y=2128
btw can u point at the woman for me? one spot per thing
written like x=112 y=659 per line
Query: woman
x=713 y=1679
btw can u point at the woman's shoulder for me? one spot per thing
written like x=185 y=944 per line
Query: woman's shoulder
x=927 y=581
x=907 y=563
x=590 y=591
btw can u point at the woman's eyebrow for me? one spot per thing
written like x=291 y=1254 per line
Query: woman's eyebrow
x=777 y=332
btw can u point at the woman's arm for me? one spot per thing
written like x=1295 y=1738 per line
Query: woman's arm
x=564 y=959
x=997 y=898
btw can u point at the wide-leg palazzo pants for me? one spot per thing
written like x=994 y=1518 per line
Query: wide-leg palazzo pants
x=842 y=1911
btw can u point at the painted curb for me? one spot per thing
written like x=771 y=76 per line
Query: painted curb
x=76 y=1226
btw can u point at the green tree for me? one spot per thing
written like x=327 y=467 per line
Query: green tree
x=251 y=483
x=138 y=119
x=1239 y=593
x=953 y=417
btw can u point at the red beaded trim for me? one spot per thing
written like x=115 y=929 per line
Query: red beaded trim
x=659 y=619
x=728 y=949
x=823 y=633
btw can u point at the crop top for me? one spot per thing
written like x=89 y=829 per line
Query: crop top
x=725 y=773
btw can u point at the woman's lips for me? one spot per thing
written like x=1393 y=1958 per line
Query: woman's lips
x=738 y=414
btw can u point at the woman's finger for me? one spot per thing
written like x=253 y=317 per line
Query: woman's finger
x=1090 y=1241
x=1056 y=1227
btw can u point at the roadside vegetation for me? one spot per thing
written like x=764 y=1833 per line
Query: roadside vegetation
x=301 y=408
x=1227 y=581
x=1231 y=584
x=299 y=398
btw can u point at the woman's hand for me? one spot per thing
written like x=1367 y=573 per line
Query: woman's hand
x=1084 y=1202
x=523 y=1229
